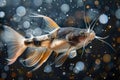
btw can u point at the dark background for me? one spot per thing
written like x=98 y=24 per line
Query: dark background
x=101 y=62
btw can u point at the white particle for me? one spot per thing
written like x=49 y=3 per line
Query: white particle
x=79 y=66
x=2 y=3
x=103 y=19
x=38 y=10
x=16 y=18
x=21 y=11
x=37 y=2
x=65 y=8
x=75 y=71
x=64 y=73
x=26 y=24
x=47 y=68
x=73 y=54
x=2 y=14
x=37 y=31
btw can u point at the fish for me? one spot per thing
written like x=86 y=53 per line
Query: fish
x=59 y=40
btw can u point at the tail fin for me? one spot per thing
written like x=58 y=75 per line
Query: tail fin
x=15 y=43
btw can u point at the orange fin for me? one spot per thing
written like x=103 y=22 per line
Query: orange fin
x=43 y=59
x=33 y=57
x=49 y=23
x=15 y=43
x=61 y=59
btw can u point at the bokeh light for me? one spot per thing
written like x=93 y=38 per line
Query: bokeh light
x=106 y=58
x=65 y=8
x=21 y=11
x=103 y=19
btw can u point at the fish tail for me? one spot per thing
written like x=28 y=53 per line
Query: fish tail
x=14 y=42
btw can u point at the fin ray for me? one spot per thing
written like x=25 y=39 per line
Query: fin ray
x=15 y=43
x=33 y=59
x=43 y=59
x=49 y=23
x=61 y=59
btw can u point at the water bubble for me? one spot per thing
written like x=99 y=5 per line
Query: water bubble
x=2 y=14
x=73 y=54
x=3 y=3
x=76 y=71
x=6 y=68
x=47 y=68
x=117 y=13
x=3 y=75
x=29 y=31
x=16 y=18
x=21 y=11
x=103 y=19
x=48 y=1
x=80 y=3
x=64 y=73
x=26 y=24
x=37 y=31
x=65 y=8
x=37 y=2
x=79 y=66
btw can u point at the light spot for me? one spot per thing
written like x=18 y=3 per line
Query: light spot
x=3 y=3
x=47 y=68
x=21 y=11
x=65 y=8
x=2 y=14
x=103 y=19
x=106 y=58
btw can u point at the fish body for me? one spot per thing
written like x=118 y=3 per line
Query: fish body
x=59 y=40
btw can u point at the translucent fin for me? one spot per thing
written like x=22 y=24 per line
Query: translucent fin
x=15 y=44
x=33 y=57
x=61 y=59
x=43 y=59
x=50 y=25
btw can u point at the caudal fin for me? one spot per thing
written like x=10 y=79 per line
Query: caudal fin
x=14 y=42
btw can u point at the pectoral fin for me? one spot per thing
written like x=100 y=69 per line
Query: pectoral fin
x=43 y=59
x=33 y=57
x=61 y=59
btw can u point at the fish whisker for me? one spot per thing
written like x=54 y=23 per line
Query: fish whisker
x=101 y=38
x=106 y=44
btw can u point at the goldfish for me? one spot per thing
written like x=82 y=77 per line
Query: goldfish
x=58 y=40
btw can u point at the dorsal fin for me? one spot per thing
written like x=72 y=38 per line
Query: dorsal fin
x=50 y=24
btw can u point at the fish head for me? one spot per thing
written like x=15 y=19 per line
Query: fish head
x=86 y=35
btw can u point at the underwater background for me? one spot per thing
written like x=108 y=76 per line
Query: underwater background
x=99 y=61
